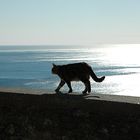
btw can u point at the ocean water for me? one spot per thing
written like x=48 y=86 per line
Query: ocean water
x=30 y=67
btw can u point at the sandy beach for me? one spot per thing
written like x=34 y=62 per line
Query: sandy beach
x=25 y=115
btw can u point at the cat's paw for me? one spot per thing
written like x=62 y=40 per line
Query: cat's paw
x=56 y=90
x=85 y=91
x=70 y=91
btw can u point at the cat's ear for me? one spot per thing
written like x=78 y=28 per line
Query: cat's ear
x=54 y=65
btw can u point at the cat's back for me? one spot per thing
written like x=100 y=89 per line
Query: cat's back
x=76 y=67
x=74 y=72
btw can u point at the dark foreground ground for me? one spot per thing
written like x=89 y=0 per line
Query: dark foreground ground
x=66 y=117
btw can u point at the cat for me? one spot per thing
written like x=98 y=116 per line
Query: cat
x=75 y=72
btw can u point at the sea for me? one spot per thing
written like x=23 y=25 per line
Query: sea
x=30 y=67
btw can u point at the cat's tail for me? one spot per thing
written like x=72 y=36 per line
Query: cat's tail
x=94 y=77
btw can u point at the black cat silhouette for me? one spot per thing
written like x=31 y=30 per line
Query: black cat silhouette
x=75 y=72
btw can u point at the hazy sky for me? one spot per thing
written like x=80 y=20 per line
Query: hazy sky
x=79 y=22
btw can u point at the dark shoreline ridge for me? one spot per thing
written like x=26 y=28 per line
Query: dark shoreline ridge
x=66 y=117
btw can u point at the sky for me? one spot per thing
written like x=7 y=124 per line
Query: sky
x=69 y=22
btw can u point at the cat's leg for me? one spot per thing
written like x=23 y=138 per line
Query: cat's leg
x=87 y=86
x=61 y=84
x=86 y=89
x=69 y=85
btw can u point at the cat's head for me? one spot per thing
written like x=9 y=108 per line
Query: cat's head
x=55 y=69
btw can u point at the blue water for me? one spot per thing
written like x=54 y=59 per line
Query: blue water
x=31 y=68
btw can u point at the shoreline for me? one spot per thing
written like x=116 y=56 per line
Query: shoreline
x=91 y=96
